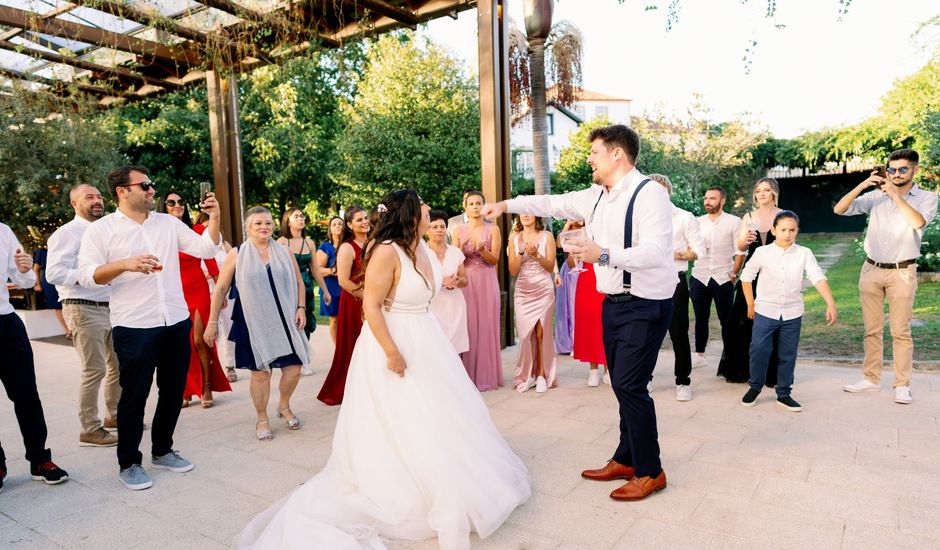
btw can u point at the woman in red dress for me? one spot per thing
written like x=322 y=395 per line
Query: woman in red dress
x=205 y=369
x=349 y=320
x=588 y=330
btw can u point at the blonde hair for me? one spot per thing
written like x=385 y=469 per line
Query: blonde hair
x=662 y=180
x=774 y=188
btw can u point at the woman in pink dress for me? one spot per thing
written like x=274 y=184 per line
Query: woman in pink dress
x=531 y=257
x=449 y=305
x=480 y=243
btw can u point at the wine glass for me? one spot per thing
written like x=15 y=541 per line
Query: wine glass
x=753 y=227
x=568 y=238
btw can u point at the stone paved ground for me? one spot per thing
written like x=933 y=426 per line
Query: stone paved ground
x=851 y=471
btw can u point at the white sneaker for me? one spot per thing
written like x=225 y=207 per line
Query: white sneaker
x=305 y=371
x=594 y=378
x=606 y=377
x=698 y=360
x=862 y=386
x=526 y=386
x=541 y=385
x=683 y=393
x=902 y=395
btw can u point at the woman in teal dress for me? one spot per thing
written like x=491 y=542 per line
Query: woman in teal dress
x=303 y=248
x=326 y=261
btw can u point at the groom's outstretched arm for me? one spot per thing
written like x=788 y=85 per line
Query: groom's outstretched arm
x=575 y=205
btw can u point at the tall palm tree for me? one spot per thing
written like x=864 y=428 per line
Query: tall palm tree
x=527 y=53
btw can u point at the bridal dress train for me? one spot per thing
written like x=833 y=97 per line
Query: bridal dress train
x=414 y=457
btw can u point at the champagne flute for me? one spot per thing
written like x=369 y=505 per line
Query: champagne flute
x=569 y=238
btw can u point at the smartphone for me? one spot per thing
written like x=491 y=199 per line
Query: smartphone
x=881 y=173
x=204 y=189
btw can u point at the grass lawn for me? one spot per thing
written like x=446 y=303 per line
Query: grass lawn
x=845 y=338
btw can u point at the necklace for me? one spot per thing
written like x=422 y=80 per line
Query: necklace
x=439 y=253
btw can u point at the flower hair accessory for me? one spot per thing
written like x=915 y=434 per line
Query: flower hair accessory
x=382 y=208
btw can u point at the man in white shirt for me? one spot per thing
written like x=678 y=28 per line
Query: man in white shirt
x=17 y=371
x=629 y=222
x=898 y=211
x=87 y=313
x=715 y=273
x=137 y=251
x=687 y=245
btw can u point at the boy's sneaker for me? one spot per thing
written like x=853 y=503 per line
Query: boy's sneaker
x=231 y=374
x=861 y=386
x=902 y=395
x=789 y=404
x=172 y=461
x=683 y=393
x=594 y=378
x=97 y=438
x=750 y=397
x=135 y=478
x=47 y=471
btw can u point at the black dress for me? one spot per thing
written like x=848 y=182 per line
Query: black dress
x=735 y=363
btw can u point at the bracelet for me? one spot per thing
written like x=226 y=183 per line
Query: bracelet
x=301 y=307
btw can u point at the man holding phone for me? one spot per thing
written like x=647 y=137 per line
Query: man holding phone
x=898 y=211
x=136 y=251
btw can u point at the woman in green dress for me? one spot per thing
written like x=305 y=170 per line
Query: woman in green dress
x=304 y=250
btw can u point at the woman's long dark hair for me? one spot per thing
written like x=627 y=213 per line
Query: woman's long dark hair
x=161 y=206
x=329 y=234
x=351 y=212
x=398 y=223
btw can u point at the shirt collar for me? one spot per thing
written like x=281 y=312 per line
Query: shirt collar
x=81 y=221
x=625 y=182
x=121 y=215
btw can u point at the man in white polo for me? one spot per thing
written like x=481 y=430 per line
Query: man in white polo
x=87 y=314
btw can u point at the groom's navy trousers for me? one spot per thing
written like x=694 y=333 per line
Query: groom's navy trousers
x=634 y=329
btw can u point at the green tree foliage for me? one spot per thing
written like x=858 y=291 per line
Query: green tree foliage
x=43 y=155
x=290 y=119
x=170 y=136
x=693 y=152
x=414 y=124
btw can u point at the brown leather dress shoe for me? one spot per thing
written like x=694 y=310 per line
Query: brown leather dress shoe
x=613 y=470
x=640 y=487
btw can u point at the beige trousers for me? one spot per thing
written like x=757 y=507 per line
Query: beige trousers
x=91 y=333
x=899 y=286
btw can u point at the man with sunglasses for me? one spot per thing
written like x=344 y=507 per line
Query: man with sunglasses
x=136 y=251
x=898 y=211
x=88 y=316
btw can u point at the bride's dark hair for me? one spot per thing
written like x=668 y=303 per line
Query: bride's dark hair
x=398 y=215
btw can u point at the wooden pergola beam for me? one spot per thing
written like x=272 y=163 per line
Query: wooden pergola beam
x=178 y=55
x=382 y=7
x=157 y=21
x=53 y=83
x=275 y=19
x=64 y=8
x=120 y=72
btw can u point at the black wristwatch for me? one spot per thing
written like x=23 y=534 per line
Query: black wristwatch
x=604 y=258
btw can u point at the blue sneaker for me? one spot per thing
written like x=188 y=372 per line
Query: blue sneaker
x=135 y=478
x=172 y=461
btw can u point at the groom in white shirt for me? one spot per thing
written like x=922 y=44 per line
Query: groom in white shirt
x=629 y=221
x=137 y=251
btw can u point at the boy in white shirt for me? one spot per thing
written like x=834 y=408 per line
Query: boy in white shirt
x=778 y=310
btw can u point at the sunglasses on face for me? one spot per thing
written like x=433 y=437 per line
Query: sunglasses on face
x=144 y=185
x=172 y=203
x=902 y=170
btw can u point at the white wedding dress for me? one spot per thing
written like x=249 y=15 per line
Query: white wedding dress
x=414 y=457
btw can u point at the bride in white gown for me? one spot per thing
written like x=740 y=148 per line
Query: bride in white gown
x=415 y=453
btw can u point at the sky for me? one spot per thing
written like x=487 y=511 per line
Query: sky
x=816 y=71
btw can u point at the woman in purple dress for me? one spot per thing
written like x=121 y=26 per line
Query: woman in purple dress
x=480 y=243
x=566 y=283
x=531 y=257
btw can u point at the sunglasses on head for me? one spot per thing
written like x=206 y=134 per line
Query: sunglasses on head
x=902 y=170
x=172 y=202
x=144 y=185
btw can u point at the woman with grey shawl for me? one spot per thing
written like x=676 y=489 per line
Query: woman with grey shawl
x=268 y=317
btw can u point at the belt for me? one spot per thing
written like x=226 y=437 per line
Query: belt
x=621 y=298
x=897 y=265
x=81 y=302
